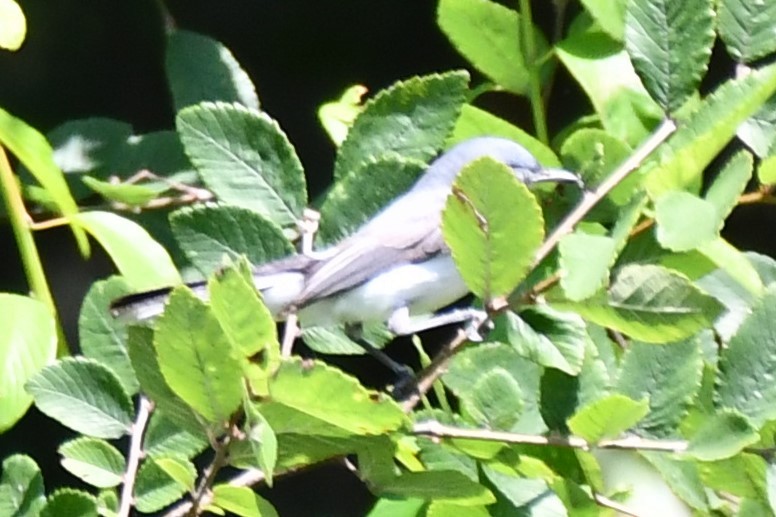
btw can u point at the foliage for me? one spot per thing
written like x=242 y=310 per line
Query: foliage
x=638 y=328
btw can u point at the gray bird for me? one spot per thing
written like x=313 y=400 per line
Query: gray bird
x=396 y=268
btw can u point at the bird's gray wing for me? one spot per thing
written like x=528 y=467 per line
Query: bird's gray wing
x=362 y=257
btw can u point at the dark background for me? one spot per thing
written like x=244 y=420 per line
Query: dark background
x=86 y=58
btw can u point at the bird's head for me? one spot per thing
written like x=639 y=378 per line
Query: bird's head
x=525 y=166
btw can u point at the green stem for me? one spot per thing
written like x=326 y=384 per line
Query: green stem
x=20 y=222
x=534 y=80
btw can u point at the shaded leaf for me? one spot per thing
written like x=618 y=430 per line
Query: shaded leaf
x=670 y=44
x=245 y=159
x=21 y=487
x=362 y=192
x=412 y=118
x=721 y=436
x=83 y=395
x=668 y=376
x=649 y=303
x=746 y=27
x=103 y=338
x=70 y=502
x=746 y=366
x=155 y=487
x=494 y=401
x=94 y=461
x=441 y=485
x=200 y=68
x=209 y=233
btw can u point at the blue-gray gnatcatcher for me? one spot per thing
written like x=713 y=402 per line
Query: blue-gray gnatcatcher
x=396 y=268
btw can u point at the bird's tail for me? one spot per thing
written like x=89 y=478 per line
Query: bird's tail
x=279 y=282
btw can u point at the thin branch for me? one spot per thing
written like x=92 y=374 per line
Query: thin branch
x=290 y=333
x=438 y=430
x=246 y=478
x=620 y=508
x=135 y=453
x=590 y=199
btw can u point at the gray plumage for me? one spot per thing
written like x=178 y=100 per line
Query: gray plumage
x=395 y=266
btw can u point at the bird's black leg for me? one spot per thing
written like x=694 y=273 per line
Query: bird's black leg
x=405 y=383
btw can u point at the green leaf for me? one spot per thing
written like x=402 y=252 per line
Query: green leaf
x=337 y=117
x=244 y=318
x=94 y=461
x=758 y=132
x=196 y=358
x=126 y=193
x=526 y=496
x=742 y=475
x=766 y=172
x=668 y=376
x=160 y=152
x=102 y=336
x=83 y=395
x=682 y=477
x=70 y=502
x=245 y=159
x=684 y=221
x=679 y=164
x=746 y=366
x=164 y=438
x=608 y=417
x=746 y=27
x=473 y=363
x=209 y=233
x=35 y=153
x=441 y=485
x=88 y=146
x=156 y=487
x=721 y=436
x=362 y=192
x=492 y=246
x=602 y=67
x=200 y=68
x=585 y=261
x=335 y=341
x=649 y=303
x=494 y=401
x=474 y=122
x=21 y=487
x=26 y=346
x=734 y=263
x=412 y=118
x=391 y=507
x=550 y=338
x=146 y=365
x=610 y=15
x=262 y=440
x=730 y=183
x=670 y=44
x=594 y=154
x=141 y=260
x=488 y=35
x=318 y=393
x=14 y=27
x=242 y=501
